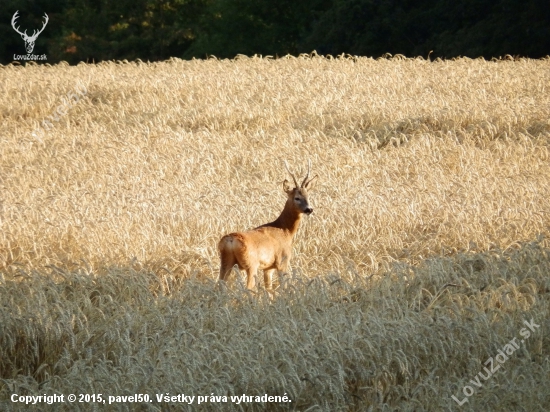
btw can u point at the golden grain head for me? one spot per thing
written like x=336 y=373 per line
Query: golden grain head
x=426 y=252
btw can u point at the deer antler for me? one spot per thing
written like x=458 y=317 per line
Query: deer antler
x=13 y=22
x=306 y=182
x=24 y=34
x=35 y=35
x=307 y=174
x=293 y=178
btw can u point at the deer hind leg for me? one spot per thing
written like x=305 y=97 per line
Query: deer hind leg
x=227 y=263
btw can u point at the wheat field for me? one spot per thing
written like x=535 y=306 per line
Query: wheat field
x=426 y=253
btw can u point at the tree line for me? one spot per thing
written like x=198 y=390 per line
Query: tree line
x=96 y=30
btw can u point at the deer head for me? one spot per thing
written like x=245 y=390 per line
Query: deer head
x=29 y=40
x=298 y=194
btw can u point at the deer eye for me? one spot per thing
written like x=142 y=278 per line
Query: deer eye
x=296 y=198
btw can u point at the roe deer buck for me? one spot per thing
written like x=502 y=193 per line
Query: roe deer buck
x=267 y=247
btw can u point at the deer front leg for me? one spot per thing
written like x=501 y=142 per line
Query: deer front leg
x=284 y=266
x=251 y=277
x=282 y=269
x=268 y=279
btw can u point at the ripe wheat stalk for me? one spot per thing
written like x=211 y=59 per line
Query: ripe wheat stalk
x=426 y=251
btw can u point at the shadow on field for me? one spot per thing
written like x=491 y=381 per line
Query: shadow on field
x=410 y=339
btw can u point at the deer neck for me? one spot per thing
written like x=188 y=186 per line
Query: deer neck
x=289 y=219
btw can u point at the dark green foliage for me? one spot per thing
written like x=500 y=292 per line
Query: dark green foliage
x=256 y=27
x=95 y=30
x=448 y=28
x=127 y=29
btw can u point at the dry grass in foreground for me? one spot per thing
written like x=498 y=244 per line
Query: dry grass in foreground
x=410 y=340
x=426 y=252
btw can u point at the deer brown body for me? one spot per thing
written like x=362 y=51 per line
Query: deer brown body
x=267 y=247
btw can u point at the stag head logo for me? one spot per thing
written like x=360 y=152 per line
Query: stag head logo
x=29 y=40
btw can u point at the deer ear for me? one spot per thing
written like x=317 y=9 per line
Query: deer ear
x=309 y=185
x=287 y=187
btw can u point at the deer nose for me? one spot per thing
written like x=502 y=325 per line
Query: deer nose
x=308 y=211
